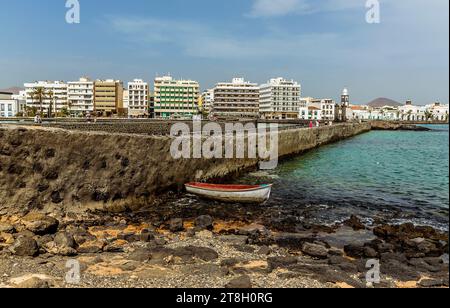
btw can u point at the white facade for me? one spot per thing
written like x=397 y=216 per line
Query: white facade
x=410 y=112
x=438 y=111
x=280 y=99
x=317 y=109
x=8 y=105
x=315 y=113
x=207 y=100
x=327 y=107
x=21 y=100
x=56 y=101
x=138 y=98
x=126 y=99
x=80 y=96
x=238 y=99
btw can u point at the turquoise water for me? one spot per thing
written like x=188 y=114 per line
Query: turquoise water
x=388 y=175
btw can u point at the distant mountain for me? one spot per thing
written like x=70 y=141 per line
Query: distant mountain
x=381 y=102
x=13 y=90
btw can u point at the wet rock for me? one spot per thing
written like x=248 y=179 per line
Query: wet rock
x=204 y=222
x=291 y=240
x=370 y=253
x=6 y=228
x=399 y=271
x=355 y=223
x=335 y=252
x=433 y=283
x=56 y=197
x=422 y=266
x=354 y=250
x=343 y=264
x=281 y=262
x=176 y=225
x=40 y=224
x=315 y=251
x=242 y=282
x=401 y=258
x=25 y=247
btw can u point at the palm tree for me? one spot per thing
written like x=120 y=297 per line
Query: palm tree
x=409 y=114
x=428 y=115
x=50 y=97
x=40 y=94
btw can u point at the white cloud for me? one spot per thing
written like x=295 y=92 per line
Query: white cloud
x=197 y=40
x=277 y=8
x=268 y=8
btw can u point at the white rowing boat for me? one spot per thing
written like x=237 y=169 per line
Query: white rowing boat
x=231 y=193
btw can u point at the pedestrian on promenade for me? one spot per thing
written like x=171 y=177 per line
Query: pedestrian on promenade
x=311 y=124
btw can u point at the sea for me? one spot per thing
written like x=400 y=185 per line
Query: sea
x=389 y=176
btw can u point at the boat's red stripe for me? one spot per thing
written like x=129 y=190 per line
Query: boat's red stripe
x=223 y=187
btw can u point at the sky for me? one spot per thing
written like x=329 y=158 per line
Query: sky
x=326 y=45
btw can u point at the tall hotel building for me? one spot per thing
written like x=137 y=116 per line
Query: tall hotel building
x=108 y=97
x=236 y=100
x=280 y=99
x=80 y=96
x=55 y=102
x=175 y=98
x=138 y=98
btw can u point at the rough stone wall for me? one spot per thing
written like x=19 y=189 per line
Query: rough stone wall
x=55 y=169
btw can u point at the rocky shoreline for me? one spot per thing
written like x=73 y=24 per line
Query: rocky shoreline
x=139 y=250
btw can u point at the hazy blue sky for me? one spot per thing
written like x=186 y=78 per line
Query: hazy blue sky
x=324 y=44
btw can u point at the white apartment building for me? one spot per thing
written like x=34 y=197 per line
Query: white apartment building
x=80 y=96
x=138 y=98
x=175 y=98
x=303 y=112
x=317 y=109
x=439 y=112
x=207 y=100
x=54 y=98
x=126 y=99
x=8 y=106
x=280 y=99
x=21 y=100
x=410 y=112
x=237 y=99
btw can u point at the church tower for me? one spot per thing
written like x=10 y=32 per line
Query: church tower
x=345 y=104
x=345 y=98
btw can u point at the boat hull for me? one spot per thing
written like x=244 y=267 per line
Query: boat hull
x=258 y=195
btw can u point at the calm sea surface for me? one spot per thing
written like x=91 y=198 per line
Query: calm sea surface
x=399 y=176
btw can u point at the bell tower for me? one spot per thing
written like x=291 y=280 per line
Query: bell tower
x=345 y=98
x=341 y=110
